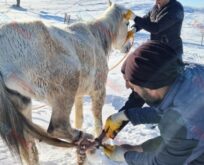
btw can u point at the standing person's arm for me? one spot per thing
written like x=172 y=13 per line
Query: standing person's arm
x=168 y=19
x=146 y=18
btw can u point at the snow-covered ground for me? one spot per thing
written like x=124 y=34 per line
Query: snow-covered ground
x=53 y=12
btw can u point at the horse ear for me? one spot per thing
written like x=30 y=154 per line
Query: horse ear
x=109 y=3
x=129 y=15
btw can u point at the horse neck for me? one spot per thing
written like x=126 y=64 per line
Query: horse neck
x=104 y=33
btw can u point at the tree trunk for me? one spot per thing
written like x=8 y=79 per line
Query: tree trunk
x=18 y=3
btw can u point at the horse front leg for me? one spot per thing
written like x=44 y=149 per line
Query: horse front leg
x=98 y=98
x=78 y=112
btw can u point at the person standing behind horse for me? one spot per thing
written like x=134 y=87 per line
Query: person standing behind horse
x=164 y=22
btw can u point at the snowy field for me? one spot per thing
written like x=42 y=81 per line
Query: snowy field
x=52 y=12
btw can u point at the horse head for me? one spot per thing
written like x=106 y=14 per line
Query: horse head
x=122 y=37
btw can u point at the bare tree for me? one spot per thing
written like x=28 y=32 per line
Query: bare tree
x=202 y=32
x=200 y=27
x=18 y=3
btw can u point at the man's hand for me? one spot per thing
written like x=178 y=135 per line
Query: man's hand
x=114 y=124
x=114 y=152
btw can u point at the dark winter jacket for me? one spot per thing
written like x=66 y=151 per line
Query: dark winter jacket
x=133 y=101
x=180 y=118
x=164 y=25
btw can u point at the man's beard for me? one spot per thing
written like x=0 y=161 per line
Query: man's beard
x=150 y=100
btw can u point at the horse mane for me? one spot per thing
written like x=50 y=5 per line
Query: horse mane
x=105 y=28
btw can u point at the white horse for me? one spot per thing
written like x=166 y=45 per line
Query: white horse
x=59 y=67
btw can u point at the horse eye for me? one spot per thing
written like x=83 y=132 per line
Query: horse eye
x=127 y=23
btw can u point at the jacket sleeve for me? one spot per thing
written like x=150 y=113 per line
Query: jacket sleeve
x=134 y=100
x=145 y=18
x=175 y=148
x=146 y=115
x=167 y=20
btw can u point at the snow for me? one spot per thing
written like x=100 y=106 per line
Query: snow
x=52 y=12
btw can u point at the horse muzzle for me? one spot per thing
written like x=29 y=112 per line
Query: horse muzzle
x=129 y=41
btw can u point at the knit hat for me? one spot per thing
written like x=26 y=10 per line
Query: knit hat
x=152 y=65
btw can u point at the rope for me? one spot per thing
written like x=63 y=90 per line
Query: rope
x=36 y=108
x=119 y=62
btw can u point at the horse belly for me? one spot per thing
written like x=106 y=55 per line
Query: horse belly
x=85 y=85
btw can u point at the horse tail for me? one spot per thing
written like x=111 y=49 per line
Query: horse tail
x=14 y=125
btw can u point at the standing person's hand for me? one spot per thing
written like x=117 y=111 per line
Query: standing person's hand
x=115 y=123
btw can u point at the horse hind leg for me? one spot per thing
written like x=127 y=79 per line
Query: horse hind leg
x=78 y=112
x=60 y=119
x=60 y=125
x=61 y=97
x=24 y=105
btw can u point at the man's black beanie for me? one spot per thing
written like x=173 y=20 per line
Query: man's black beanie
x=152 y=65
